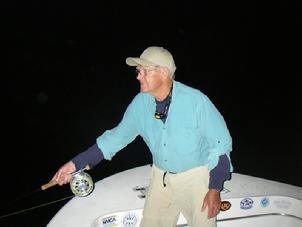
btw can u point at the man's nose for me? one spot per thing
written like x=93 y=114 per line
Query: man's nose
x=139 y=76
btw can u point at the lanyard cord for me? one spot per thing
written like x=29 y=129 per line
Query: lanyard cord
x=163 y=115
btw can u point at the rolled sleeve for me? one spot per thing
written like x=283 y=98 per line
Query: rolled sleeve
x=112 y=141
x=215 y=130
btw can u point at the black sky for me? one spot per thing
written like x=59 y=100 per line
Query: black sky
x=65 y=81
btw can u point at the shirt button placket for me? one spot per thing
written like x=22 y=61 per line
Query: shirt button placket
x=164 y=144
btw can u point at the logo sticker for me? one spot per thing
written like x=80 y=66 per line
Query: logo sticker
x=109 y=221
x=246 y=203
x=225 y=205
x=264 y=202
x=282 y=203
x=130 y=220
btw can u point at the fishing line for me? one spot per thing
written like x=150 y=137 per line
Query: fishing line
x=81 y=185
x=35 y=207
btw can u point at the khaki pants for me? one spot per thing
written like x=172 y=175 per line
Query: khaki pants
x=184 y=192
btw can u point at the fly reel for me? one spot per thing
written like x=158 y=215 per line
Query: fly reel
x=81 y=183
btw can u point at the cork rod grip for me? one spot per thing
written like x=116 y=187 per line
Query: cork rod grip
x=48 y=185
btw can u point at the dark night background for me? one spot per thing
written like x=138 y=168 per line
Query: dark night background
x=65 y=81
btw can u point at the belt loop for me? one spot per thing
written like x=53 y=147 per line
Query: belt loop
x=164 y=176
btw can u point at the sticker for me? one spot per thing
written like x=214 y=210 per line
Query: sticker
x=282 y=203
x=109 y=221
x=264 y=202
x=225 y=205
x=130 y=220
x=246 y=203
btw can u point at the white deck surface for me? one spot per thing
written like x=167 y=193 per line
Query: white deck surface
x=115 y=194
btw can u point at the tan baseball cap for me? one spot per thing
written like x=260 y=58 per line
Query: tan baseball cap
x=154 y=56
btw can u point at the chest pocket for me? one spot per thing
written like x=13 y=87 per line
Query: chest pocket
x=186 y=137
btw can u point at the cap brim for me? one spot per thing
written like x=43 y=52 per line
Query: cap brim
x=138 y=61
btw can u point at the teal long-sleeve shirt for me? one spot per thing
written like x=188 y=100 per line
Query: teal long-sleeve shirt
x=194 y=134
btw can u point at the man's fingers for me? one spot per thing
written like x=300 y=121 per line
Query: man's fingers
x=204 y=206
x=214 y=211
x=61 y=177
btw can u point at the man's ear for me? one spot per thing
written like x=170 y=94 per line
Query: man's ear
x=165 y=71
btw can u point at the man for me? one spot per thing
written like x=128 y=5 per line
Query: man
x=188 y=139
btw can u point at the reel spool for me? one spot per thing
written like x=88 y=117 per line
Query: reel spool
x=81 y=183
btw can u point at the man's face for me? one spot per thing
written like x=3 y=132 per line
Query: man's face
x=149 y=78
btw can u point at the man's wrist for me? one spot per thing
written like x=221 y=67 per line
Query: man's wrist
x=214 y=190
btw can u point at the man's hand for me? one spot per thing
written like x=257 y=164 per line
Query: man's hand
x=212 y=202
x=63 y=175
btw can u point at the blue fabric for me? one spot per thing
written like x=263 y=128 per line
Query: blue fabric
x=92 y=156
x=193 y=135
x=220 y=173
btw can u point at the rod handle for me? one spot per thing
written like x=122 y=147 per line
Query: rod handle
x=48 y=185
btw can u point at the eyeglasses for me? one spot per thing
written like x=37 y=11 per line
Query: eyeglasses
x=145 y=70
